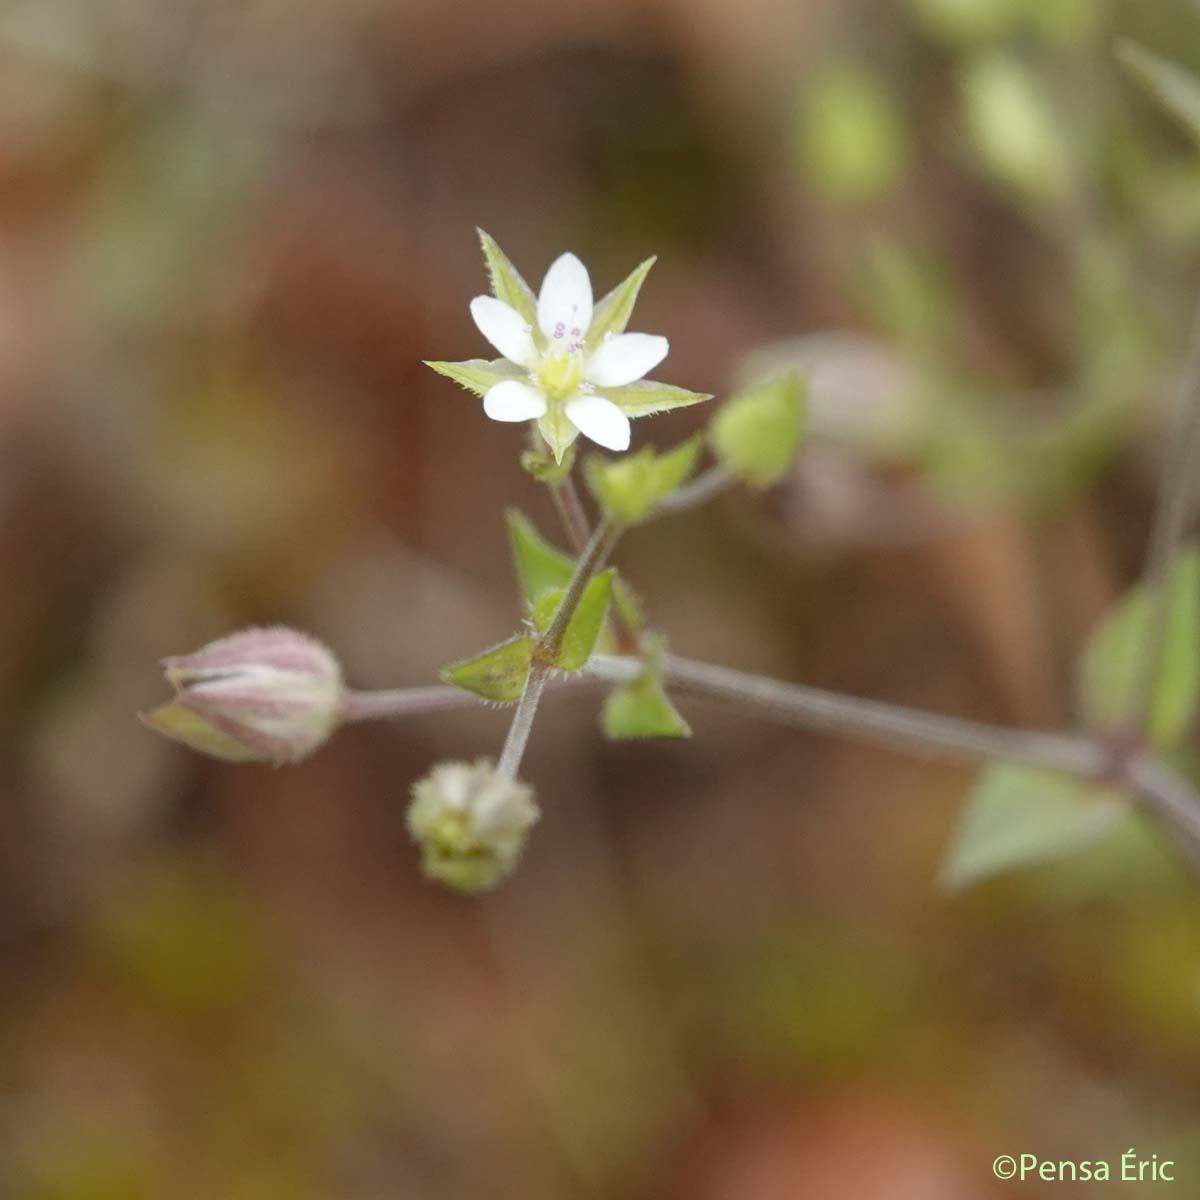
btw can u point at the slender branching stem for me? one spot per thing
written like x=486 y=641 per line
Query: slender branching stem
x=701 y=490
x=1171 y=798
x=521 y=725
x=869 y=720
x=1172 y=510
x=1163 y=792
x=405 y=702
x=574 y=520
x=600 y=545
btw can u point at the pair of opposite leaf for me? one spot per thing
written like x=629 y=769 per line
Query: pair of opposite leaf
x=567 y=363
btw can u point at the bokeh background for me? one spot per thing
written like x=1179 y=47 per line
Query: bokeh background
x=229 y=233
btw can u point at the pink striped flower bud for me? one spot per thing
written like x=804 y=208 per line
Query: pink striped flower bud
x=262 y=695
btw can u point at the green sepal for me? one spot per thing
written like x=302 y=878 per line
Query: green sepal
x=641 y=708
x=507 y=284
x=1017 y=816
x=612 y=314
x=558 y=432
x=539 y=565
x=648 y=396
x=1111 y=666
x=630 y=488
x=478 y=375
x=757 y=433
x=1175 y=88
x=498 y=674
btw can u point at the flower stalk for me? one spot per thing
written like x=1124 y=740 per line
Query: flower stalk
x=604 y=538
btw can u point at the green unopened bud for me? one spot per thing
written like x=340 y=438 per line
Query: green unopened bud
x=471 y=823
x=629 y=489
x=262 y=695
x=757 y=433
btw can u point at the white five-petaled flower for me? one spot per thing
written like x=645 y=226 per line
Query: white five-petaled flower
x=563 y=368
x=568 y=363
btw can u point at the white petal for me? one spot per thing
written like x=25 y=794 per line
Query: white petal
x=513 y=400
x=625 y=359
x=565 y=301
x=505 y=328
x=601 y=420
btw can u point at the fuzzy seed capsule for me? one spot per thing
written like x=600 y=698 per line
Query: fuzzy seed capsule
x=471 y=823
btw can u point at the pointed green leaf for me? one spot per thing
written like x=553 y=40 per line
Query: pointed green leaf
x=1112 y=662
x=1017 y=816
x=477 y=374
x=539 y=565
x=757 y=433
x=543 y=609
x=641 y=709
x=507 y=284
x=1177 y=89
x=613 y=312
x=586 y=623
x=497 y=674
x=630 y=488
x=648 y=396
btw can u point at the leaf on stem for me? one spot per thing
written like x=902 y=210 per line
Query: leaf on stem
x=1114 y=658
x=539 y=565
x=586 y=623
x=641 y=709
x=1017 y=816
x=498 y=674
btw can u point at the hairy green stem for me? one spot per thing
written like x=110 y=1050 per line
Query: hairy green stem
x=700 y=490
x=574 y=520
x=545 y=652
x=868 y=720
x=405 y=702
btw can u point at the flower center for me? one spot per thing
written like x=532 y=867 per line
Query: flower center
x=560 y=372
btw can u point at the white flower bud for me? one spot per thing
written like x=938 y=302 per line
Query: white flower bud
x=470 y=823
x=262 y=695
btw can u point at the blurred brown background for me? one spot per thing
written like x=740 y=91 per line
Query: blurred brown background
x=228 y=235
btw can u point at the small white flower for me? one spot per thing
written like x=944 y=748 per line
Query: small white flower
x=567 y=361
x=563 y=369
